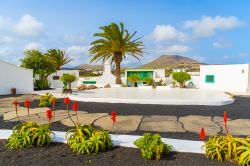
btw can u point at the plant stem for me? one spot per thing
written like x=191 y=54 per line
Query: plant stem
x=77 y=118
x=67 y=105
x=54 y=109
x=17 y=114
x=226 y=127
x=28 y=112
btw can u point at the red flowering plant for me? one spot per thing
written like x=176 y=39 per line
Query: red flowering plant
x=226 y=146
x=113 y=118
x=27 y=105
x=30 y=133
x=86 y=138
x=16 y=103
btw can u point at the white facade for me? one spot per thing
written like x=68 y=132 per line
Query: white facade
x=15 y=77
x=55 y=81
x=230 y=78
x=107 y=77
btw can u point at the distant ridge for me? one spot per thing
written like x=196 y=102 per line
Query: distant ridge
x=171 y=61
x=88 y=66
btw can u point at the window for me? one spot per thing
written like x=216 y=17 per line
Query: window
x=209 y=78
x=56 y=77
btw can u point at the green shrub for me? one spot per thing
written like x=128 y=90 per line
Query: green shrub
x=243 y=152
x=133 y=78
x=227 y=147
x=87 y=139
x=152 y=147
x=181 y=78
x=68 y=78
x=28 y=134
x=46 y=100
x=222 y=147
x=149 y=80
x=42 y=84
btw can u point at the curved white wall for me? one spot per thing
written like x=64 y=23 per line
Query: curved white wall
x=12 y=76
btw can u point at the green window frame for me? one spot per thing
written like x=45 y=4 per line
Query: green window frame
x=209 y=78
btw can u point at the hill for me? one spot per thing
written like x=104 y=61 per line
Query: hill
x=171 y=61
x=90 y=67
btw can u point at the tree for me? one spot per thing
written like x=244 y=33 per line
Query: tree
x=181 y=78
x=58 y=58
x=149 y=80
x=133 y=79
x=115 y=43
x=39 y=62
x=68 y=78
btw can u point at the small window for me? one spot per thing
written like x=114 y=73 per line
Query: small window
x=209 y=78
x=56 y=77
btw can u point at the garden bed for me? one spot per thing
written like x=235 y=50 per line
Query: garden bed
x=60 y=154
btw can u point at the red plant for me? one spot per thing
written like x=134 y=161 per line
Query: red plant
x=202 y=134
x=113 y=117
x=75 y=106
x=225 y=121
x=27 y=104
x=16 y=103
x=49 y=115
x=67 y=102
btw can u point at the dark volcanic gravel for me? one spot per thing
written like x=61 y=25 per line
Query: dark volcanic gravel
x=240 y=109
x=58 y=154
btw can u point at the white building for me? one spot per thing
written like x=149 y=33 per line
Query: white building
x=13 y=76
x=230 y=78
x=156 y=74
x=55 y=81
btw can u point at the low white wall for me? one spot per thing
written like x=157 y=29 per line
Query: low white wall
x=15 y=77
x=231 y=78
x=59 y=83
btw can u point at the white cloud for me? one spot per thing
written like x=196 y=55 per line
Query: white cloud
x=29 y=26
x=4 y=52
x=173 y=49
x=168 y=33
x=221 y=44
x=226 y=57
x=77 y=50
x=244 y=54
x=79 y=54
x=77 y=39
x=207 y=26
x=34 y=46
x=5 y=39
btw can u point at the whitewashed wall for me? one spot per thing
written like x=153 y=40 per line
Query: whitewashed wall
x=231 y=78
x=12 y=76
x=59 y=83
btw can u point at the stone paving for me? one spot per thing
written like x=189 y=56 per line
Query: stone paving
x=126 y=123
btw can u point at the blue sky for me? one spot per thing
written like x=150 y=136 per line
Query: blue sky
x=211 y=31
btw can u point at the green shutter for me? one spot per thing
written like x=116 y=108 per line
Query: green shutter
x=209 y=78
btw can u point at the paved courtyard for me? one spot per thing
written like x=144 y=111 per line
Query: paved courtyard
x=128 y=123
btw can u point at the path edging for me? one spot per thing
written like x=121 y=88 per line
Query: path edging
x=178 y=145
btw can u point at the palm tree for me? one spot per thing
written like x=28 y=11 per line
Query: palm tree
x=58 y=58
x=115 y=43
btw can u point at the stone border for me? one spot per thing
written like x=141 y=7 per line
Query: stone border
x=178 y=145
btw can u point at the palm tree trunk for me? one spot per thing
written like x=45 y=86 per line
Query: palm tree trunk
x=118 y=59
